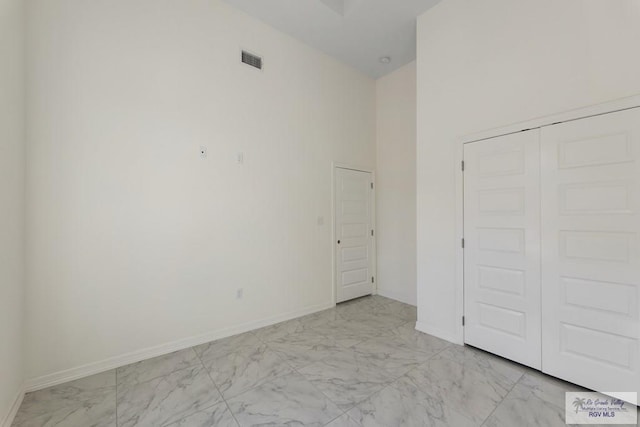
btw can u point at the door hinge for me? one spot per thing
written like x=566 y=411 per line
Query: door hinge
x=371 y=232
x=373 y=280
x=462 y=320
x=372 y=185
x=462 y=165
x=462 y=243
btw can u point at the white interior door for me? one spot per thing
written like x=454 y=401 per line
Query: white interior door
x=502 y=246
x=354 y=236
x=591 y=251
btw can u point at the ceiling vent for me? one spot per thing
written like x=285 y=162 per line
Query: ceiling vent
x=252 y=60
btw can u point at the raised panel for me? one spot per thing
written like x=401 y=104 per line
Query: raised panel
x=502 y=319
x=354 y=189
x=598 y=346
x=594 y=151
x=595 y=246
x=501 y=202
x=498 y=279
x=501 y=163
x=354 y=254
x=353 y=230
x=501 y=239
x=616 y=298
x=595 y=198
x=355 y=276
x=354 y=207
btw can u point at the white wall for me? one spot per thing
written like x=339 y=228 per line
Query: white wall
x=11 y=202
x=396 y=184
x=492 y=63
x=133 y=240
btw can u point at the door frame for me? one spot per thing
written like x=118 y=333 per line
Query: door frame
x=374 y=257
x=576 y=114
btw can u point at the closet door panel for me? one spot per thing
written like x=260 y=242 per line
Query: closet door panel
x=502 y=246
x=591 y=251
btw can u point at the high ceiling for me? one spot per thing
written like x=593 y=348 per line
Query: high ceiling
x=357 y=32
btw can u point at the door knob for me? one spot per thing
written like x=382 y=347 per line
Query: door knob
x=338 y=241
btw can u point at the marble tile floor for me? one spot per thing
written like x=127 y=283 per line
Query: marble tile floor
x=359 y=364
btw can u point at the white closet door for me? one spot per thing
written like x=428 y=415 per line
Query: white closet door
x=590 y=251
x=502 y=246
x=353 y=221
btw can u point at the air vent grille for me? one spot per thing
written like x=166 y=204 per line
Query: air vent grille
x=252 y=60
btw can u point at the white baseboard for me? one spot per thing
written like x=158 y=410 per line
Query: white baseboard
x=8 y=420
x=447 y=336
x=398 y=296
x=61 y=377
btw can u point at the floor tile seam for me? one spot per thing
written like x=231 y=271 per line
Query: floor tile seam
x=478 y=370
x=318 y=390
x=501 y=402
x=375 y=367
x=219 y=392
x=73 y=402
x=333 y=419
x=439 y=400
x=295 y=371
x=263 y=380
x=282 y=337
x=332 y=337
x=383 y=383
x=251 y=332
x=532 y=392
x=386 y=386
x=290 y=320
x=322 y=359
x=231 y=412
x=433 y=356
x=235 y=351
x=196 y=361
x=346 y=413
x=300 y=343
x=126 y=385
x=448 y=346
x=316 y=330
x=79 y=391
x=267 y=340
x=396 y=378
x=533 y=395
x=65 y=406
x=552 y=378
x=288 y=362
x=471 y=368
x=366 y=356
x=408 y=347
x=189 y=415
